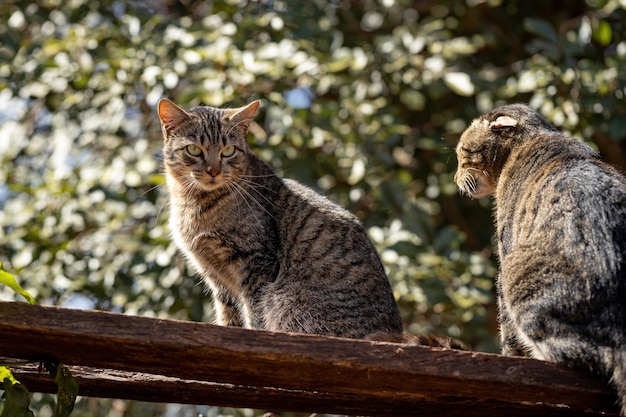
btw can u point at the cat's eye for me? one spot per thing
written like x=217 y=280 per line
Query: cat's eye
x=194 y=150
x=228 y=151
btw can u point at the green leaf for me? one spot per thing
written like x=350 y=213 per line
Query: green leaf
x=5 y=373
x=603 y=33
x=67 y=391
x=17 y=398
x=541 y=28
x=10 y=281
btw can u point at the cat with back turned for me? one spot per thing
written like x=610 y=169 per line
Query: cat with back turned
x=275 y=254
x=560 y=217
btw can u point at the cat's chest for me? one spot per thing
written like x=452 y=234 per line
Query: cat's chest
x=213 y=252
x=217 y=241
x=201 y=234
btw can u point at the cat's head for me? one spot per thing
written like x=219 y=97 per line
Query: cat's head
x=487 y=143
x=205 y=148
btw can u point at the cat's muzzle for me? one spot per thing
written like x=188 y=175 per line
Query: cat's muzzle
x=473 y=182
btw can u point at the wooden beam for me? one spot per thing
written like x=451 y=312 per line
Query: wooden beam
x=115 y=355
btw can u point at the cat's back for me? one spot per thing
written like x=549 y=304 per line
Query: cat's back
x=320 y=227
x=297 y=197
x=557 y=192
x=591 y=198
x=330 y=272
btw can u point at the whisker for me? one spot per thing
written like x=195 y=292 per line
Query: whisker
x=468 y=183
x=188 y=185
x=253 y=184
x=247 y=193
x=257 y=176
x=165 y=204
x=253 y=188
x=232 y=190
x=148 y=190
x=235 y=188
x=472 y=183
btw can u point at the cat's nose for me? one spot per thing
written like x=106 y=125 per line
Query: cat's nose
x=456 y=176
x=213 y=172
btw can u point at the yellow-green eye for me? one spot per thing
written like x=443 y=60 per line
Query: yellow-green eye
x=228 y=151
x=194 y=150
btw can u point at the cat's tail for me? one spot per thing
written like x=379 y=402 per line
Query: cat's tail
x=618 y=376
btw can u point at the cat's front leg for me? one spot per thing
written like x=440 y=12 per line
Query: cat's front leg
x=227 y=313
x=538 y=297
x=509 y=343
x=226 y=308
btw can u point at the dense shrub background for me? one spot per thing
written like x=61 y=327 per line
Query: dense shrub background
x=363 y=100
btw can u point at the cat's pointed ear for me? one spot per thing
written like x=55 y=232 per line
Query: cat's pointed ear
x=243 y=116
x=170 y=114
x=503 y=121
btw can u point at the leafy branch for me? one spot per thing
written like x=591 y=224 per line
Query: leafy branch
x=16 y=395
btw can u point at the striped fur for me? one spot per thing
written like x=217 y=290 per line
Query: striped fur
x=561 y=228
x=275 y=254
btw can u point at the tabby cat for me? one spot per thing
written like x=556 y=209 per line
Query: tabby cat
x=561 y=228
x=275 y=254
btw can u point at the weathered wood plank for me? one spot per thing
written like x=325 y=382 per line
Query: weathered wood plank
x=154 y=388
x=206 y=364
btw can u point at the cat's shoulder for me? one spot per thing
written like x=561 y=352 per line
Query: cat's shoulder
x=303 y=197
x=569 y=148
x=304 y=191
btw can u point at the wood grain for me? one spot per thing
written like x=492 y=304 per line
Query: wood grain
x=119 y=356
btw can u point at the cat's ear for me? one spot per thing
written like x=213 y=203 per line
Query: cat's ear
x=170 y=114
x=503 y=121
x=243 y=116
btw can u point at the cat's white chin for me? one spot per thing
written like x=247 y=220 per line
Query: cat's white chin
x=211 y=186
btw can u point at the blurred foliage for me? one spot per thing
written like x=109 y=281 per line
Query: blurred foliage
x=363 y=100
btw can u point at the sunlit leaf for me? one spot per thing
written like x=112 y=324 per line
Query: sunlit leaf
x=460 y=83
x=5 y=373
x=10 y=281
x=603 y=33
